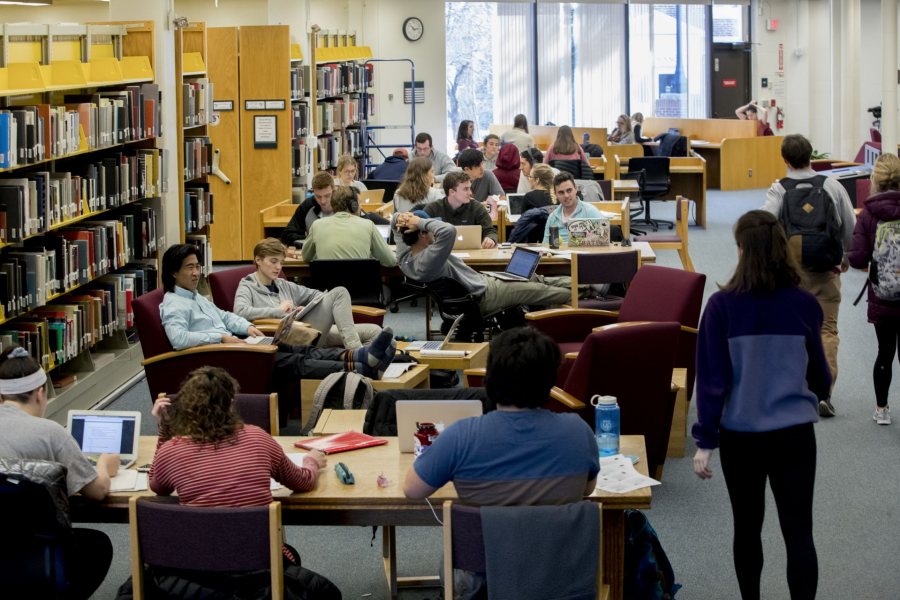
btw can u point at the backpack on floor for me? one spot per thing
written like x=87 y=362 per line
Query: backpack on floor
x=884 y=269
x=811 y=223
x=648 y=572
x=346 y=390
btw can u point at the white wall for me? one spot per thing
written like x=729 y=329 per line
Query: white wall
x=68 y=12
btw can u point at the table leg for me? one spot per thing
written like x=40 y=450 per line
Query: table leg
x=614 y=552
x=389 y=556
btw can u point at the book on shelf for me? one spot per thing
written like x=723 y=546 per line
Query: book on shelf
x=299 y=81
x=198 y=208
x=204 y=251
x=333 y=79
x=198 y=155
x=197 y=95
x=300 y=157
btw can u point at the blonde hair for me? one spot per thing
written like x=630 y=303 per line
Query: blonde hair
x=637 y=117
x=627 y=127
x=269 y=247
x=886 y=173
x=414 y=187
x=544 y=176
x=343 y=162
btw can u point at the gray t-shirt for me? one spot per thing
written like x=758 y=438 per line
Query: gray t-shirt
x=24 y=436
x=486 y=185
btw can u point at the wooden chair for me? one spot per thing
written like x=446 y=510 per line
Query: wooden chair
x=254 y=409
x=464 y=542
x=677 y=241
x=167 y=535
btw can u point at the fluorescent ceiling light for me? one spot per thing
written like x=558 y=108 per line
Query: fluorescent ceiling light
x=28 y=2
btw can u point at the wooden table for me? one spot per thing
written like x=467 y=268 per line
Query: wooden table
x=333 y=503
x=688 y=178
x=476 y=356
x=333 y=421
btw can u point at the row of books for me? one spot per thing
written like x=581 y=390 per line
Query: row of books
x=197 y=95
x=300 y=157
x=198 y=155
x=38 y=132
x=342 y=78
x=331 y=147
x=299 y=120
x=58 y=332
x=198 y=208
x=41 y=200
x=337 y=114
x=299 y=81
x=56 y=263
x=204 y=251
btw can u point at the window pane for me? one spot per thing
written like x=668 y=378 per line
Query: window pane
x=729 y=23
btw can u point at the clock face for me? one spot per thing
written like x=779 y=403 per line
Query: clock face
x=413 y=29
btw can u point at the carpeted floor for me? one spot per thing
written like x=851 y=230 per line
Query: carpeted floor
x=856 y=519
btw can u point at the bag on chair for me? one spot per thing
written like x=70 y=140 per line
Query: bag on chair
x=347 y=391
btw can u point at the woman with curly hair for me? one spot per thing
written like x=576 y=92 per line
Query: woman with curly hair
x=417 y=186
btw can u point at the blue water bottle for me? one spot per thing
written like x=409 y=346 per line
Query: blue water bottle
x=606 y=424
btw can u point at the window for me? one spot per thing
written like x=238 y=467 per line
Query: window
x=730 y=24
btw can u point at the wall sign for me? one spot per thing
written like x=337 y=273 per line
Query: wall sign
x=274 y=104
x=265 y=131
x=223 y=105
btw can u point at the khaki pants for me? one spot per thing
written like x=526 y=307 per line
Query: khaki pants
x=333 y=316
x=547 y=291
x=826 y=287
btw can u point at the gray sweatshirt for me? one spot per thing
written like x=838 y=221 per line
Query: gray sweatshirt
x=436 y=261
x=253 y=300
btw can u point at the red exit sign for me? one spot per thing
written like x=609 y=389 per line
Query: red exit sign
x=730 y=83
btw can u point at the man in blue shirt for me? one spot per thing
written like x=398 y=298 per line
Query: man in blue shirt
x=191 y=320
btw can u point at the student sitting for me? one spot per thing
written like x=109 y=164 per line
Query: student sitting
x=464 y=135
x=542 y=193
x=25 y=434
x=519 y=135
x=622 y=133
x=441 y=162
x=316 y=206
x=457 y=208
x=191 y=320
x=264 y=295
x=527 y=160
x=508 y=168
x=346 y=172
x=393 y=167
x=567 y=155
x=484 y=183
x=417 y=186
x=570 y=207
x=491 y=150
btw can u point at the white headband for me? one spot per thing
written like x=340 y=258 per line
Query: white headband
x=22 y=385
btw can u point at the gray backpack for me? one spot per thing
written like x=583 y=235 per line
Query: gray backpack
x=346 y=391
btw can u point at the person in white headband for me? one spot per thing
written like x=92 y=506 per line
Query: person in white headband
x=25 y=434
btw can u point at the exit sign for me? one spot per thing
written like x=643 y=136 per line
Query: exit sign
x=729 y=83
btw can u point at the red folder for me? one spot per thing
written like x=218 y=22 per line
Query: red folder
x=340 y=442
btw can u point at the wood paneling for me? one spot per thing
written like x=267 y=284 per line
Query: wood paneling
x=711 y=130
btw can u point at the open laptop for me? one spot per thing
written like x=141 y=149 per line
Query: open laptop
x=385 y=231
x=106 y=431
x=410 y=412
x=284 y=326
x=588 y=232
x=521 y=266
x=436 y=344
x=516 y=203
x=468 y=237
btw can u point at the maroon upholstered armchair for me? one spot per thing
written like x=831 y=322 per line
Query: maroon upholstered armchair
x=255 y=409
x=594 y=268
x=166 y=368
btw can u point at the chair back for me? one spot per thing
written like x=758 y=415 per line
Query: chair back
x=633 y=362
x=664 y=294
x=166 y=534
x=574 y=166
x=361 y=277
x=224 y=284
x=260 y=410
x=606 y=267
x=389 y=187
x=605 y=188
x=655 y=181
x=154 y=340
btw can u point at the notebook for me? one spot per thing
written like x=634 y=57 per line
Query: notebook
x=588 y=232
x=106 y=431
x=521 y=266
x=468 y=237
x=436 y=344
x=284 y=326
x=340 y=442
x=412 y=412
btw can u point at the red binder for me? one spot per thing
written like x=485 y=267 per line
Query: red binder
x=340 y=442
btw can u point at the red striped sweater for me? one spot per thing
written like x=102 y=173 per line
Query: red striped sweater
x=235 y=472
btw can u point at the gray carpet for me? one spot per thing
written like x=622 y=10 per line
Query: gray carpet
x=856 y=524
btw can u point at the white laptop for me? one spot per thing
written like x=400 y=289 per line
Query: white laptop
x=411 y=412
x=588 y=232
x=468 y=237
x=516 y=203
x=107 y=431
x=385 y=231
x=521 y=266
x=436 y=344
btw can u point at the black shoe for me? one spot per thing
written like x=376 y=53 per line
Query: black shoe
x=826 y=409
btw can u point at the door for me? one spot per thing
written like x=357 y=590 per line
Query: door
x=730 y=79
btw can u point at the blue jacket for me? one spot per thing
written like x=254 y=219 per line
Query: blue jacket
x=392 y=169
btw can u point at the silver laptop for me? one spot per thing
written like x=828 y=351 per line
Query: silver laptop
x=521 y=266
x=468 y=237
x=411 y=412
x=107 y=431
x=385 y=231
x=436 y=344
x=516 y=203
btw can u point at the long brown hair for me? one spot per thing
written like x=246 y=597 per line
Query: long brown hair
x=414 y=187
x=565 y=141
x=764 y=262
x=204 y=410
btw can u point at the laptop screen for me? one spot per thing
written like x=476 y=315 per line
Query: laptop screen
x=523 y=262
x=516 y=201
x=98 y=433
x=384 y=230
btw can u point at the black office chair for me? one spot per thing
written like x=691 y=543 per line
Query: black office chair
x=361 y=277
x=652 y=175
x=453 y=300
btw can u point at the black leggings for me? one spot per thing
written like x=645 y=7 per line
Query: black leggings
x=787 y=457
x=887 y=334
x=89 y=562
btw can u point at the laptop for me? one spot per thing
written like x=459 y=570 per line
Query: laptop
x=385 y=231
x=516 y=203
x=588 y=232
x=521 y=266
x=468 y=237
x=436 y=344
x=284 y=326
x=411 y=412
x=106 y=431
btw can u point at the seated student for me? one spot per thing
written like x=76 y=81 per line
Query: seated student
x=264 y=295
x=424 y=254
x=417 y=186
x=508 y=168
x=518 y=135
x=484 y=183
x=346 y=235
x=542 y=193
x=622 y=133
x=527 y=160
x=393 y=167
x=191 y=320
x=753 y=112
x=457 y=208
x=637 y=126
x=566 y=148
x=441 y=162
x=464 y=136
x=570 y=207
x=490 y=150
x=24 y=433
x=209 y=457
x=346 y=172
x=316 y=206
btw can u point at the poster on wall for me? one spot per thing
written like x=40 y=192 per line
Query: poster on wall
x=265 y=131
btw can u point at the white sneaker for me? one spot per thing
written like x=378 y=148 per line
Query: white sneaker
x=882 y=416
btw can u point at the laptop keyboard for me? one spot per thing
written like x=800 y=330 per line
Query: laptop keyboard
x=122 y=461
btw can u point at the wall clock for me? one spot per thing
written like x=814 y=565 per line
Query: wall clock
x=413 y=29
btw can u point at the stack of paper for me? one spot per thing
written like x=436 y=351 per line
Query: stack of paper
x=128 y=480
x=618 y=475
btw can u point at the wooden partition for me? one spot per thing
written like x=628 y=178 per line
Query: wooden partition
x=688 y=177
x=617 y=153
x=545 y=135
x=710 y=130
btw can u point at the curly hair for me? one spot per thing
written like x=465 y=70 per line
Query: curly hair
x=204 y=410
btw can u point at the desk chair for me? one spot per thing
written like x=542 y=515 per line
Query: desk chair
x=677 y=241
x=166 y=535
x=453 y=300
x=467 y=546
x=575 y=166
x=652 y=175
x=256 y=409
x=361 y=277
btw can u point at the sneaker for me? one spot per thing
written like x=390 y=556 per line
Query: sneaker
x=826 y=409
x=882 y=416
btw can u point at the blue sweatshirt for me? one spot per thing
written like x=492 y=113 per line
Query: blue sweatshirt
x=760 y=363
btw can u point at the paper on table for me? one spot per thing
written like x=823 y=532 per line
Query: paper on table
x=610 y=215
x=618 y=475
x=128 y=480
x=297 y=459
x=395 y=370
x=461 y=254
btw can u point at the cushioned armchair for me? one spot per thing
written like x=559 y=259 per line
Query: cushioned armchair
x=166 y=368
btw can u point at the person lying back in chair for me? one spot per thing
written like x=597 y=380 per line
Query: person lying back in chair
x=191 y=320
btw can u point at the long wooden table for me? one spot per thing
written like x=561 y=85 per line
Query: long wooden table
x=365 y=503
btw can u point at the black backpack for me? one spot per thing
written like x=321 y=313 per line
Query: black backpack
x=648 y=572
x=811 y=223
